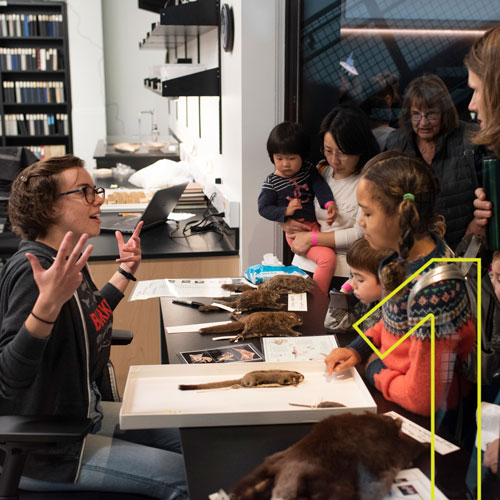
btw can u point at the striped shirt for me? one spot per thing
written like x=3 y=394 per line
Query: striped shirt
x=277 y=192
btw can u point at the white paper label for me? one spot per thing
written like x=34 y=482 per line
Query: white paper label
x=297 y=301
x=422 y=435
x=222 y=306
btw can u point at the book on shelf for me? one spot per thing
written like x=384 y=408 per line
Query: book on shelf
x=31 y=124
x=26 y=25
x=45 y=152
x=33 y=92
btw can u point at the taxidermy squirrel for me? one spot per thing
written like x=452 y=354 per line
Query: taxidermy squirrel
x=248 y=301
x=281 y=283
x=257 y=378
x=266 y=296
x=348 y=457
x=260 y=324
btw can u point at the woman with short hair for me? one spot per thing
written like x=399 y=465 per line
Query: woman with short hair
x=55 y=337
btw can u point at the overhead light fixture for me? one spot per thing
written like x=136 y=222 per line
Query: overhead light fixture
x=348 y=65
x=411 y=31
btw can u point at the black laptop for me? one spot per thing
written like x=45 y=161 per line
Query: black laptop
x=156 y=213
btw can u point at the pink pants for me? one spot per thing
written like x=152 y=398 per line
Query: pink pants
x=324 y=257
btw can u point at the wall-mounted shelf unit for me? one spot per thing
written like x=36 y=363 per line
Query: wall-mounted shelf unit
x=170 y=37
x=204 y=83
x=35 y=100
x=152 y=5
x=179 y=25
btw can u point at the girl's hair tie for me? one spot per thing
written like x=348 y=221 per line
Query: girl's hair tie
x=409 y=196
x=400 y=259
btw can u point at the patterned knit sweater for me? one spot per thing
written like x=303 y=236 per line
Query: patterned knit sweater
x=404 y=375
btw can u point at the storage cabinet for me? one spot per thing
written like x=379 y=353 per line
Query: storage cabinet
x=35 y=104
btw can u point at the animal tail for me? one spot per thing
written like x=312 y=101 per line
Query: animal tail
x=209 y=385
x=235 y=326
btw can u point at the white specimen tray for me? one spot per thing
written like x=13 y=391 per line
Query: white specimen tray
x=152 y=398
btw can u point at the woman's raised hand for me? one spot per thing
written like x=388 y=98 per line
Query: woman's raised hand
x=130 y=252
x=58 y=283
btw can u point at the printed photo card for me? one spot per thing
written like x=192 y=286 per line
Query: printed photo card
x=224 y=354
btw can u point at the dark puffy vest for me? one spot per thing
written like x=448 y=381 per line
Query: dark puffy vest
x=454 y=165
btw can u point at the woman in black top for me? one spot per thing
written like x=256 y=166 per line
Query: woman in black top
x=55 y=337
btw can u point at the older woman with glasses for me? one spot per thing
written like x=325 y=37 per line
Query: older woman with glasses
x=430 y=129
x=348 y=143
x=55 y=337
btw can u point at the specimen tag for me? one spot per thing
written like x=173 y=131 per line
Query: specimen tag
x=297 y=301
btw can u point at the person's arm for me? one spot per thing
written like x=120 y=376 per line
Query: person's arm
x=303 y=241
x=293 y=226
x=35 y=295
x=455 y=337
x=341 y=359
x=268 y=206
x=411 y=389
x=56 y=285
x=344 y=238
x=321 y=188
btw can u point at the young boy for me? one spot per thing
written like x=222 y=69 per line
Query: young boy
x=364 y=284
x=290 y=192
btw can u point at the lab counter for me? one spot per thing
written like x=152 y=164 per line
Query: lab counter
x=106 y=155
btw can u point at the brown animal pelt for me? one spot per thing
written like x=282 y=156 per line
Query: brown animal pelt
x=260 y=324
x=281 y=283
x=286 y=283
x=251 y=300
x=344 y=457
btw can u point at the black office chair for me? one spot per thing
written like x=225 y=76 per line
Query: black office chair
x=20 y=435
x=107 y=380
x=12 y=161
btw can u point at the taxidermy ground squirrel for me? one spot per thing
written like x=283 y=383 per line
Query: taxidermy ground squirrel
x=249 y=300
x=257 y=378
x=281 y=283
x=260 y=324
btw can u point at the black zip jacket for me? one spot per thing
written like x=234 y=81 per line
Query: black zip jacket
x=49 y=376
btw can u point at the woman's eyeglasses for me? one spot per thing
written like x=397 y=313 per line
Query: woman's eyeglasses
x=430 y=116
x=89 y=192
x=329 y=152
